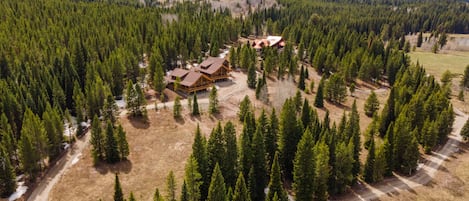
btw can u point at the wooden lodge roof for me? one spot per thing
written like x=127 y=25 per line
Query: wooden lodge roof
x=188 y=78
x=212 y=65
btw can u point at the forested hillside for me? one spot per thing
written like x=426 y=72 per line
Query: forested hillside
x=62 y=58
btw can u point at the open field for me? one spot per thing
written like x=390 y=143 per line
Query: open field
x=437 y=64
x=165 y=144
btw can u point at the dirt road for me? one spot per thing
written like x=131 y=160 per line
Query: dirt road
x=424 y=175
x=42 y=190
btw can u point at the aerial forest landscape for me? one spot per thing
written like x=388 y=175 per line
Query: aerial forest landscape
x=234 y=100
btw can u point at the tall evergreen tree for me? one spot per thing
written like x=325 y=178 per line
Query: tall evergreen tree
x=118 y=195
x=247 y=134
x=230 y=168
x=110 y=109
x=252 y=77
x=353 y=133
x=184 y=194
x=275 y=184
x=216 y=147
x=244 y=108
x=171 y=187
x=301 y=82
x=258 y=165
x=193 y=179
x=33 y=144
x=270 y=138
x=241 y=192
x=112 y=148
x=387 y=115
x=321 y=171
x=54 y=129
x=419 y=39
x=303 y=168
x=199 y=152
x=158 y=79
x=122 y=143
x=177 y=108
x=289 y=137
x=7 y=174
x=368 y=173
x=97 y=140
x=217 y=189
x=319 y=99
x=131 y=196
x=157 y=196
x=213 y=101
x=195 y=106
x=371 y=104
x=465 y=130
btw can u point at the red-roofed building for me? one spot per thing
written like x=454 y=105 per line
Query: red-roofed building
x=270 y=41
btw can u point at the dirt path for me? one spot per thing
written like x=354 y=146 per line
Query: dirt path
x=424 y=175
x=42 y=190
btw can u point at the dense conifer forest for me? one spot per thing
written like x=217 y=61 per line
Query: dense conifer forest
x=67 y=58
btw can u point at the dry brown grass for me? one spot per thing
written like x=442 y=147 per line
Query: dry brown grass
x=165 y=144
x=451 y=183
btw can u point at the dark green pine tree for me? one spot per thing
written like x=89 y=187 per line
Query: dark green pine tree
x=244 y=108
x=122 y=143
x=230 y=161
x=270 y=138
x=389 y=150
x=7 y=174
x=252 y=77
x=157 y=196
x=370 y=163
x=216 y=148
x=303 y=168
x=258 y=164
x=290 y=135
x=184 y=195
x=217 y=189
x=131 y=196
x=275 y=184
x=371 y=105
x=112 y=149
x=195 y=106
x=387 y=115
x=171 y=187
x=465 y=130
x=319 y=99
x=301 y=82
x=118 y=195
x=199 y=152
x=213 y=101
x=245 y=158
x=321 y=171
x=97 y=141
x=419 y=39
x=306 y=114
x=193 y=179
x=353 y=133
x=241 y=192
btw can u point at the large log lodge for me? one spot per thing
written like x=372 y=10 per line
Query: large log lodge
x=201 y=77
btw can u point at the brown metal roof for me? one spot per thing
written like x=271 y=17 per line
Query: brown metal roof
x=191 y=78
x=179 y=72
x=211 y=65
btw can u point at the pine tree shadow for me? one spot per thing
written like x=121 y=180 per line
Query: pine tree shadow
x=124 y=166
x=216 y=117
x=139 y=122
x=180 y=120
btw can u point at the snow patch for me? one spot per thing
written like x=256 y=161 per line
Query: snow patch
x=120 y=103
x=76 y=159
x=20 y=190
x=224 y=52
